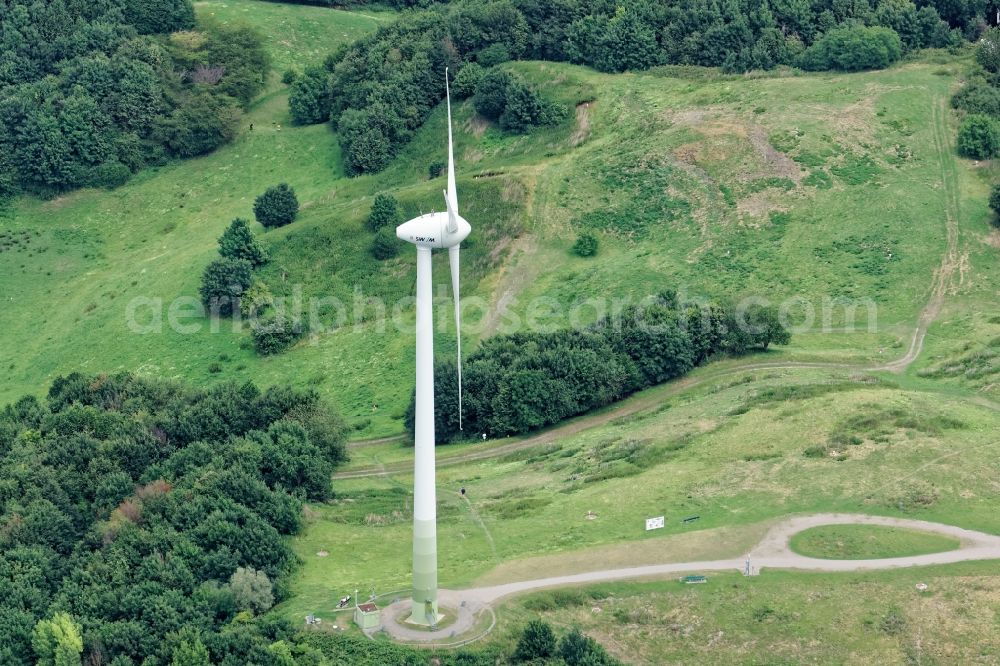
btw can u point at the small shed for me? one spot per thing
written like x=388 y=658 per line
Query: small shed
x=367 y=616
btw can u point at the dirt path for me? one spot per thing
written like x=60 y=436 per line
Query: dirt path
x=950 y=262
x=773 y=552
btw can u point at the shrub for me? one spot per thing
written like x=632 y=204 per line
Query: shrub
x=277 y=206
x=467 y=79
x=385 y=245
x=576 y=649
x=309 y=97
x=238 y=242
x=995 y=202
x=978 y=96
x=251 y=590
x=288 y=77
x=525 y=108
x=978 y=137
x=256 y=299
x=585 y=245
x=537 y=642
x=223 y=284
x=275 y=334
x=988 y=50
x=200 y=126
x=435 y=169
x=384 y=213
x=494 y=54
x=110 y=175
x=853 y=48
x=490 y=99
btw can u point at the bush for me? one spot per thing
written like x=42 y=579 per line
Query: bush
x=494 y=54
x=385 y=245
x=537 y=642
x=978 y=137
x=435 y=169
x=109 y=175
x=853 y=48
x=468 y=78
x=309 y=97
x=251 y=590
x=200 y=126
x=988 y=50
x=288 y=77
x=384 y=213
x=256 y=299
x=275 y=334
x=238 y=242
x=995 y=203
x=223 y=284
x=507 y=98
x=277 y=207
x=576 y=649
x=490 y=99
x=525 y=108
x=978 y=96
x=585 y=245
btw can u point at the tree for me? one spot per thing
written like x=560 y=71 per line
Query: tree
x=537 y=642
x=275 y=333
x=309 y=97
x=251 y=590
x=576 y=649
x=978 y=137
x=277 y=206
x=224 y=283
x=853 y=48
x=385 y=245
x=585 y=245
x=190 y=652
x=57 y=641
x=467 y=79
x=524 y=108
x=153 y=16
x=995 y=203
x=490 y=99
x=238 y=242
x=384 y=213
x=200 y=125
x=764 y=327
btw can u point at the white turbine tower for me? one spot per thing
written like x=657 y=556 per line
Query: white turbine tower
x=434 y=230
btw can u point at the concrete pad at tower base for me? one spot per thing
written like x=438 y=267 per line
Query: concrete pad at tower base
x=420 y=619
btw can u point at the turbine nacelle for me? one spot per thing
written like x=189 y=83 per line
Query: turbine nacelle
x=431 y=230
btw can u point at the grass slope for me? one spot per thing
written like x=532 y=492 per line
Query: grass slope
x=712 y=185
x=863 y=542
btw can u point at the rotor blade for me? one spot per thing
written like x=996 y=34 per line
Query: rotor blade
x=452 y=194
x=453 y=259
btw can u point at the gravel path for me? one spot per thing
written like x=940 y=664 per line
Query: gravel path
x=773 y=552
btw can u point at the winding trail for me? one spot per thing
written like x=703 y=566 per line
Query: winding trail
x=773 y=552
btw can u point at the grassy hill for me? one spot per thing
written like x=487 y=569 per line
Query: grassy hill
x=817 y=187
x=822 y=191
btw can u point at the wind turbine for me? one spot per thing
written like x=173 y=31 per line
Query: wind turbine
x=427 y=232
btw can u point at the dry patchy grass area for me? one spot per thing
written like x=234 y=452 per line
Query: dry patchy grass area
x=787 y=618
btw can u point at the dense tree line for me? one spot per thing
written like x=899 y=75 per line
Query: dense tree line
x=378 y=91
x=90 y=92
x=143 y=520
x=517 y=383
x=979 y=101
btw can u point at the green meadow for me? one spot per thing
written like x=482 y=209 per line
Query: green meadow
x=838 y=195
